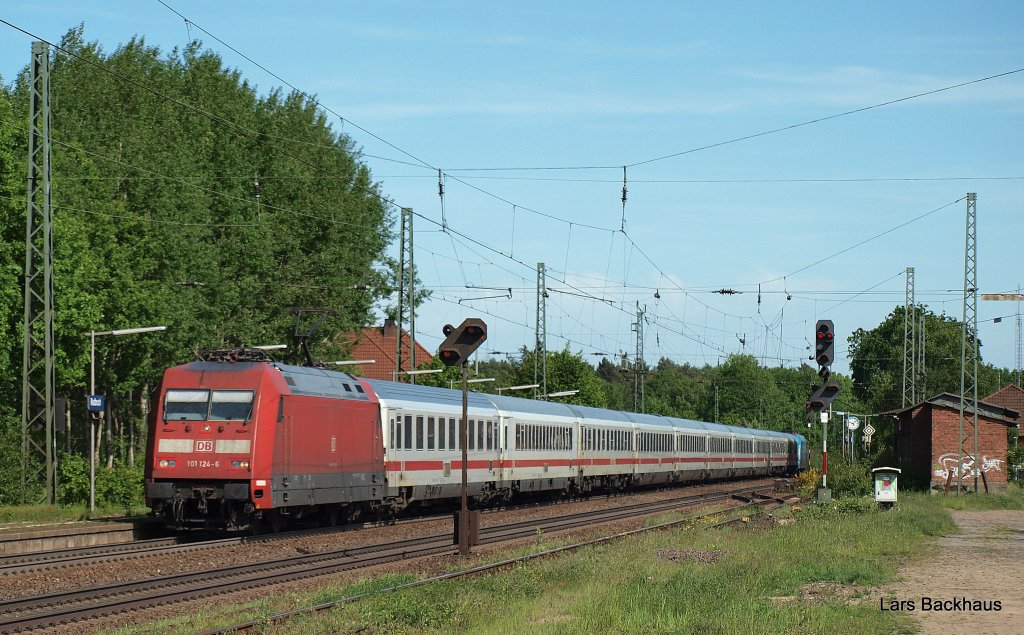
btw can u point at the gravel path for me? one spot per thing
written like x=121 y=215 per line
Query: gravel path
x=974 y=569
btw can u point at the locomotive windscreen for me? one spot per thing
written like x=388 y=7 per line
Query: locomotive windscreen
x=203 y=405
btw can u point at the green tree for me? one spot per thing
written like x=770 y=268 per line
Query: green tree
x=157 y=222
x=566 y=371
x=876 y=359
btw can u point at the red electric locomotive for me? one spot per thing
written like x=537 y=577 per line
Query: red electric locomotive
x=233 y=442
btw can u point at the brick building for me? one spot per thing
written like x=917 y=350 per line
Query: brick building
x=927 y=448
x=378 y=343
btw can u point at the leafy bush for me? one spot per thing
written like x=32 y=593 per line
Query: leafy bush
x=72 y=479
x=808 y=481
x=11 y=491
x=1015 y=459
x=849 y=479
x=120 y=486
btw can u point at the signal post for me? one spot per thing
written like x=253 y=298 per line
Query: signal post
x=823 y=396
x=458 y=345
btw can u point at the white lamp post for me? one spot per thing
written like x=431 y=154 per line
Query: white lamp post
x=564 y=393
x=480 y=380
x=428 y=371
x=523 y=387
x=92 y=391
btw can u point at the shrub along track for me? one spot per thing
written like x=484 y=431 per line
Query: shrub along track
x=63 y=607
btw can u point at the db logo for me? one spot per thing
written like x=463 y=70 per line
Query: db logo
x=204 y=446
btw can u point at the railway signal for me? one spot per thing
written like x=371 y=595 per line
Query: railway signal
x=458 y=345
x=823 y=397
x=824 y=346
x=462 y=341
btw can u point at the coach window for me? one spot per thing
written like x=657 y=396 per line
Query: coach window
x=469 y=433
x=392 y=443
x=480 y=434
x=441 y=445
x=490 y=436
x=408 y=432
x=430 y=433
x=419 y=433
x=452 y=436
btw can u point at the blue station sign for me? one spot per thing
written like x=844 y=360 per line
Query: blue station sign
x=96 y=403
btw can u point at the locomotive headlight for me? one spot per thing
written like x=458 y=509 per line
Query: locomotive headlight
x=240 y=465
x=206 y=427
x=165 y=463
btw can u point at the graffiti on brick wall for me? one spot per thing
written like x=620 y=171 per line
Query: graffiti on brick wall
x=952 y=464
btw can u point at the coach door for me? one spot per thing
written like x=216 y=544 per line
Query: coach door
x=496 y=457
x=282 y=463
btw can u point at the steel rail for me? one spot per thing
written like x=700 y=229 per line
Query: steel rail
x=63 y=607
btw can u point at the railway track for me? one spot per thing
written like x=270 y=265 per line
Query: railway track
x=23 y=562
x=54 y=609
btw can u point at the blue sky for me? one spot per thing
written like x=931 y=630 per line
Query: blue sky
x=466 y=86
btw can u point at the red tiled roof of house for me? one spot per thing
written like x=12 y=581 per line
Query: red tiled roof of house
x=1010 y=396
x=378 y=343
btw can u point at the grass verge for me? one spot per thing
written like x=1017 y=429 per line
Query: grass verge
x=61 y=513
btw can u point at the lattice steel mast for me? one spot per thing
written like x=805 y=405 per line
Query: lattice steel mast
x=1018 y=337
x=540 y=357
x=406 y=295
x=638 y=362
x=969 y=342
x=909 y=343
x=921 y=383
x=38 y=368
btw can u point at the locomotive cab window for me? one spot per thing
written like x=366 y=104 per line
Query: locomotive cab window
x=231 y=405
x=186 y=405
